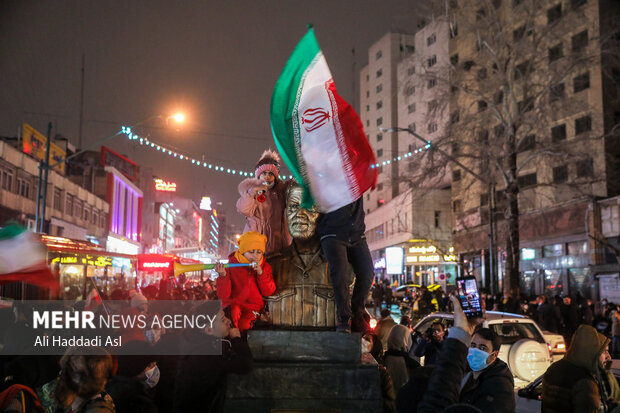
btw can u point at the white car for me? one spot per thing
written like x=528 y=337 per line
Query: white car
x=523 y=348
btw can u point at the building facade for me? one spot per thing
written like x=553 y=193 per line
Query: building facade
x=547 y=102
x=71 y=210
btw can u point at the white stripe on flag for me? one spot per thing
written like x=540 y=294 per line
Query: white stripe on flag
x=320 y=148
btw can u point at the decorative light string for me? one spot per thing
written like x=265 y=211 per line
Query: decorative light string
x=167 y=151
x=218 y=168
x=400 y=158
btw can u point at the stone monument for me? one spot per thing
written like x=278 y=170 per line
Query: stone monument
x=301 y=363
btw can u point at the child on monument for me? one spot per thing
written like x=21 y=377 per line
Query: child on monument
x=243 y=288
x=263 y=200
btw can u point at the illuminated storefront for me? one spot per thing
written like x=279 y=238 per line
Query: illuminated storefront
x=427 y=264
x=80 y=266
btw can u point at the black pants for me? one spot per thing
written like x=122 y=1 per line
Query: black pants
x=339 y=255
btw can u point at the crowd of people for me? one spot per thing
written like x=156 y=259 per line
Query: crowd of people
x=135 y=377
x=461 y=371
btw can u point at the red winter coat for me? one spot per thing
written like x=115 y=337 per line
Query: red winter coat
x=242 y=286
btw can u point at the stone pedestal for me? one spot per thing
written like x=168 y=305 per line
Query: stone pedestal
x=305 y=371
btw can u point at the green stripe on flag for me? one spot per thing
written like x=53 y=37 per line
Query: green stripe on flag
x=12 y=230
x=283 y=102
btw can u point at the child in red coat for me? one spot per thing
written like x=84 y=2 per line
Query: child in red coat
x=243 y=288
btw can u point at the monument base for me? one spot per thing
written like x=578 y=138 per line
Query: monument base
x=304 y=372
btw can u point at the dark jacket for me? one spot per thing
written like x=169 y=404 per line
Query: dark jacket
x=130 y=395
x=547 y=317
x=200 y=382
x=444 y=386
x=345 y=223
x=429 y=350
x=492 y=391
x=572 y=384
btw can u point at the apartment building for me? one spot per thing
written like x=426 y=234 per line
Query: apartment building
x=407 y=212
x=535 y=104
x=378 y=109
x=71 y=211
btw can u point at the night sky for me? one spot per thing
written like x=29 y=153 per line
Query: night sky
x=216 y=61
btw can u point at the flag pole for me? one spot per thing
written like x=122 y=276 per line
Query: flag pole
x=100 y=297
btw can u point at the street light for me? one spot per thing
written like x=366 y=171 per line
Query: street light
x=178 y=117
x=475 y=175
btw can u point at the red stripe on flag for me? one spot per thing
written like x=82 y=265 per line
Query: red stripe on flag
x=353 y=144
x=40 y=276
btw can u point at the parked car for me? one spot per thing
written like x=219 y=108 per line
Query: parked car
x=399 y=292
x=524 y=347
x=556 y=343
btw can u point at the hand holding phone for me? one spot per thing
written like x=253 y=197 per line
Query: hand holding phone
x=469 y=296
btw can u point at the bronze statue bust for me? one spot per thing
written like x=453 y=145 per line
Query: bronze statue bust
x=304 y=296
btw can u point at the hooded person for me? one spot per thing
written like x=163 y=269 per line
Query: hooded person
x=574 y=383
x=396 y=358
x=263 y=201
x=243 y=288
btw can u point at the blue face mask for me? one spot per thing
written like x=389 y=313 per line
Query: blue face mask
x=477 y=359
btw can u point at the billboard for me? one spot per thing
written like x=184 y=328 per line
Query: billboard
x=394 y=260
x=34 y=143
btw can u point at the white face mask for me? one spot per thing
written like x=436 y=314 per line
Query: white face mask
x=153 y=336
x=152 y=377
x=366 y=346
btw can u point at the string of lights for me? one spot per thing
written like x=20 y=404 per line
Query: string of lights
x=230 y=171
x=175 y=154
x=400 y=158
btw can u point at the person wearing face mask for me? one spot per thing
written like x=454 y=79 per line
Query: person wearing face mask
x=489 y=385
x=576 y=382
x=133 y=387
x=263 y=200
x=371 y=355
x=468 y=376
x=200 y=383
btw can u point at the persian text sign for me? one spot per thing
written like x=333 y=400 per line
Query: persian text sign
x=161 y=185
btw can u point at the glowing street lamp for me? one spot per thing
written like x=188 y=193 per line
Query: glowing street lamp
x=178 y=117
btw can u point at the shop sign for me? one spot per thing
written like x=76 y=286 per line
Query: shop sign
x=97 y=261
x=380 y=263
x=423 y=250
x=164 y=186
x=156 y=265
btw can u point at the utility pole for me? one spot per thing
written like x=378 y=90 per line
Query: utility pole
x=81 y=103
x=42 y=183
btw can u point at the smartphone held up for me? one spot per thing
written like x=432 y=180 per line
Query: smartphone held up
x=469 y=296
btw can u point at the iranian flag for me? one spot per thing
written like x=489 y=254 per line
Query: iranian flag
x=318 y=134
x=23 y=258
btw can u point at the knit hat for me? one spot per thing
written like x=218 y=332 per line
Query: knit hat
x=269 y=161
x=137 y=300
x=252 y=240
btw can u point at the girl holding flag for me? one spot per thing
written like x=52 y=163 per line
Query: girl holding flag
x=263 y=200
